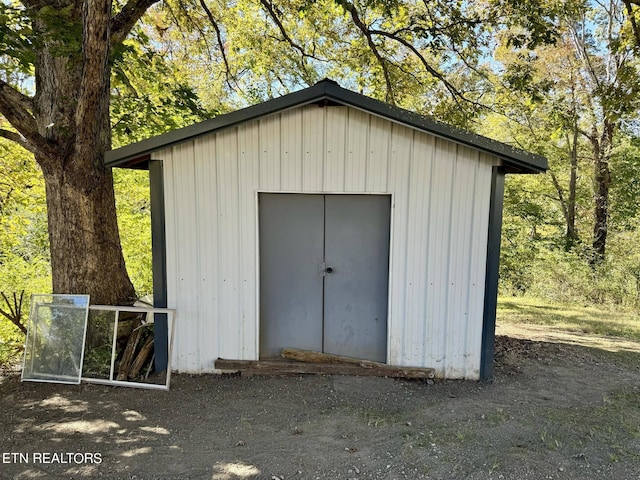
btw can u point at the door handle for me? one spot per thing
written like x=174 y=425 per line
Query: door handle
x=328 y=270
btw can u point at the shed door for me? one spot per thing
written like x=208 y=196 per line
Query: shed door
x=324 y=267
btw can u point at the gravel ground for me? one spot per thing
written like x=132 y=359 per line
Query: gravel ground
x=554 y=411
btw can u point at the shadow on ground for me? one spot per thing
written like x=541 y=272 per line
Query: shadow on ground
x=553 y=411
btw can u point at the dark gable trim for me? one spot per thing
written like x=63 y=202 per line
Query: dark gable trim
x=159 y=262
x=328 y=92
x=491 y=275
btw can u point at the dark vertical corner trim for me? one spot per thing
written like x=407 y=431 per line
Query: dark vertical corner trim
x=491 y=275
x=159 y=262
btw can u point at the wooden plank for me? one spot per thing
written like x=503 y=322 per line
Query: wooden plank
x=262 y=367
x=130 y=350
x=142 y=357
x=310 y=356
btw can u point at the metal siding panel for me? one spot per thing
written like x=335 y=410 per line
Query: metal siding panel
x=378 y=154
x=229 y=247
x=203 y=331
x=417 y=291
x=211 y=215
x=313 y=125
x=208 y=334
x=270 y=154
x=187 y=263
x=158 y=262
x=356 y=156
x=459 y=280
x=398 y=182
x=249 y=180
x=291 y=141
x=439 y=242
x=335 y=144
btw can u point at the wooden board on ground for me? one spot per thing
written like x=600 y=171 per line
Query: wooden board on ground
x=264 y=367
x=311 y=356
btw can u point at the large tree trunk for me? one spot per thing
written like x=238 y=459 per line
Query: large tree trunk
x=602 y=179
x=601 y=148
x=66 y=126
x=86 y=255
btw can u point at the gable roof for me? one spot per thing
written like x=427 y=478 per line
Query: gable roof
x=330 y=93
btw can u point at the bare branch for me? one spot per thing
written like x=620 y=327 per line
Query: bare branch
x=216 y=27
x=124 y=21
x=372 y=45
x=14 y=315
x=583 y=55
x=16 y=138
x=452 y=90
x=16 y=108
x=16 y=99
x=274 y=16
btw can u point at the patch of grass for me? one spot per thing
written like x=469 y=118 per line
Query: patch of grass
x=496 y=417
x=572 y=318
x=11 y=343
x=612 y=427
x=377 y=418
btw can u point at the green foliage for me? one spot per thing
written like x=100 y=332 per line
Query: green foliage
x=60 y=29
x=16 y=35
x=566 y=276
x=149 y=97
x=625 y=167
x=134 y=221
x=24 y=255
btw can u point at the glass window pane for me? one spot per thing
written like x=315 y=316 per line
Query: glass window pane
x=55 y=338
x=99 y=344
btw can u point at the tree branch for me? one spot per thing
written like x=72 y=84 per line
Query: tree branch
x=372 y=45
x=215 y=26
x=274 y=16
x=632 y=19
x=452 y=90
x=124 y=21
x=16 y=138
x=14 y=315
x=16 y=108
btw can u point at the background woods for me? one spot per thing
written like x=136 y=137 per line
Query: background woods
x=559 y=78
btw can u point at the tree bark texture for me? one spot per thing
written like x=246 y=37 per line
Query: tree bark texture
x=71 y=108
x=601 y=147
x=66 y=126
x=572 y=232
x=568 y=204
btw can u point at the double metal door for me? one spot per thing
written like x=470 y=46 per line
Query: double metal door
x=324 y=268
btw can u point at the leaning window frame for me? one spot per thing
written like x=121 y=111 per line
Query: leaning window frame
x=171 y=313
x=64 y=301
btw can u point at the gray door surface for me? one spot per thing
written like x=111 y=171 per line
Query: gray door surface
x=324 y=267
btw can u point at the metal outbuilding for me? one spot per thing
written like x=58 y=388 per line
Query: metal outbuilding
x=330 y=221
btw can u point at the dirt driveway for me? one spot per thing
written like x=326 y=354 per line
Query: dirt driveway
x=555 y=410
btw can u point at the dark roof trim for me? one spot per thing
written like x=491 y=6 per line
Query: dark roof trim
x=515 y=160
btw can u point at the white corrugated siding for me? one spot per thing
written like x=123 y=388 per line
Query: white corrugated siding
x=441 y=194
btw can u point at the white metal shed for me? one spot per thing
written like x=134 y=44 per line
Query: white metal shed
x=327 y=220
